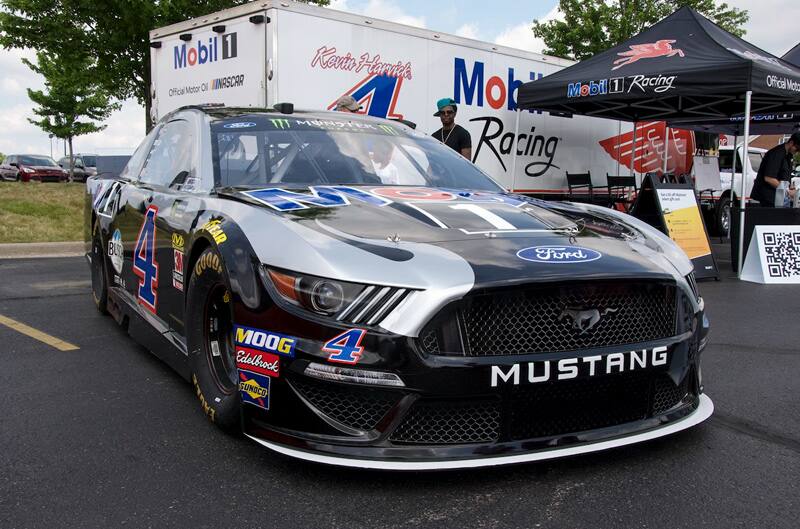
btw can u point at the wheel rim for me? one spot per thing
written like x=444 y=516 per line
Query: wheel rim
x=218 y=339
x=98 y=277
x=725 y=219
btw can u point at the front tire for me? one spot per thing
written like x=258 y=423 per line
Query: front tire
x=99 y=276
x=723 y=216
x=209 y=338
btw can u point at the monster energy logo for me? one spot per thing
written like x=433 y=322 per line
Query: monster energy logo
x=388 y=130
x=281 y=123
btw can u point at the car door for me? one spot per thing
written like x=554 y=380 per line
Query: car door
x=155 y=226
x=8 y=171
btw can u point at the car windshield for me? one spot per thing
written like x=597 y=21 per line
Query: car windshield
x=37 y=160
x=89 y=161
x=258 y=150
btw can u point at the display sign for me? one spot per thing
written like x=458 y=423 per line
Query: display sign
x=673 y=209
x=773 y=255
x=683 y=221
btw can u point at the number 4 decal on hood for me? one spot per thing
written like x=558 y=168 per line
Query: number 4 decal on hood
x=345 y=348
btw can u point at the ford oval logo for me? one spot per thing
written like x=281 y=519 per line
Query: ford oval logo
x=239 y=125
x=559 y=254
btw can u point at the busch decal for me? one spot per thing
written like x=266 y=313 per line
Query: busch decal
x=115 y=251
x=650 y=50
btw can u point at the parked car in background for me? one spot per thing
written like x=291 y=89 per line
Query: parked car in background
x=111 y=165
x=27 y=167
x=85 y=166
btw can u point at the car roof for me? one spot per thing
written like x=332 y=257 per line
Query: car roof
x=222 y=112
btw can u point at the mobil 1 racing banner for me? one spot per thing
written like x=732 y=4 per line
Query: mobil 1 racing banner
x=210 y=67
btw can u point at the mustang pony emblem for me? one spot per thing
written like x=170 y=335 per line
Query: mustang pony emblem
x=584 y=319
x=651 y=50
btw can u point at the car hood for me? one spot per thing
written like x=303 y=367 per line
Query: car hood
x=505 y=238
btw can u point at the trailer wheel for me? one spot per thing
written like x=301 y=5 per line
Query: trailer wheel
x=723 y=215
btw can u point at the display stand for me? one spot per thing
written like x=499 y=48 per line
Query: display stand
x=773 y=255
x=673 y=209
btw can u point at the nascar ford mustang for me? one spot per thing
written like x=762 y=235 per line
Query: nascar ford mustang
x=346 y=290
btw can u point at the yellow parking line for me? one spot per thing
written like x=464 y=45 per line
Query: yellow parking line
x=36 y=334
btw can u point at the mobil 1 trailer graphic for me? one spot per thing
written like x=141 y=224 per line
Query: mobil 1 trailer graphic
x=260 y=54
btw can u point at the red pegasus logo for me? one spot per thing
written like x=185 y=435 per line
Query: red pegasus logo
x=651 y=50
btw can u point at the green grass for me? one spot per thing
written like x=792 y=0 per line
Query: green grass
x=33 y=212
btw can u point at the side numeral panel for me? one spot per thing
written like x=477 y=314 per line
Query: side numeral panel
x=144 y=261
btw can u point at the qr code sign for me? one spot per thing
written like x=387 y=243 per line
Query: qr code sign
x=782 y=252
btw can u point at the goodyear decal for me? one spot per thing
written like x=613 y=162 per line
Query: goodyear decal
x=270 y=342
x=206 y=261
x=213 y=227
x=208 y=410
x=254 y=389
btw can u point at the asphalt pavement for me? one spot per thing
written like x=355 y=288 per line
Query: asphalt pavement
x=106 y=435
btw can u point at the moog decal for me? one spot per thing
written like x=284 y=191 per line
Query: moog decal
x=270 y=342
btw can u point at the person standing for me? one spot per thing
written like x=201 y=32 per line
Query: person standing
x=347 y=104
x=774 y=169
x=454 y=136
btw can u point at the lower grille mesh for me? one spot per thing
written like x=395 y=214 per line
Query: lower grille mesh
x=529 y=412
x=358 y=408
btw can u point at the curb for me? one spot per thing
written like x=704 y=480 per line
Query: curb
x=26 y=250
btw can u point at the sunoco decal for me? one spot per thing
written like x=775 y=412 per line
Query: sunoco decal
x=115 y=251
x=254 y=389
x=558 y=254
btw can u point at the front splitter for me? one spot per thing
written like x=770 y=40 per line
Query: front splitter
x=703 y=412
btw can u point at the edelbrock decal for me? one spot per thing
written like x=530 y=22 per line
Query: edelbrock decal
x=558 y=254
x=115 y=251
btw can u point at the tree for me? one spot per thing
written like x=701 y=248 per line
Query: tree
x=114 y=35
x=592 y=26
x=71 y=104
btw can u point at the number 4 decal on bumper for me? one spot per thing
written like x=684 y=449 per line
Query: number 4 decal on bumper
x=346 y=347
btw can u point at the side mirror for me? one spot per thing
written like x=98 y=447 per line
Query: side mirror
x=15 y=164
x=61 y=165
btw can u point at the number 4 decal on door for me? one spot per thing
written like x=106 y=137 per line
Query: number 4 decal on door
x=144 y=261
x=345 y=348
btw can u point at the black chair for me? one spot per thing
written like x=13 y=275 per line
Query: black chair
x=621 y=190
x=580 y=181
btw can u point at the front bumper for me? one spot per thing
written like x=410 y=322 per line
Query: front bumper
x=702 y=412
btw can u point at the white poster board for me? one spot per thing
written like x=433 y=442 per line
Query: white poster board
x=773 y=255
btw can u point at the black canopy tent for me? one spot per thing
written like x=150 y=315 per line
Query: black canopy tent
x=793 y=56
x=685 y=67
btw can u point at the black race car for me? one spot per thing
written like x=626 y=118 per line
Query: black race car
x=347 y=290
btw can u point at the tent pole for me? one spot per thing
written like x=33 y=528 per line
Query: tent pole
x=633 y=155
x=745 y=176
x=666 y=150
x=515 y=146
x=733 y=181
x=619 y=134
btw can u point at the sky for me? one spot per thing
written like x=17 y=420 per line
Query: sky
x=772 y=26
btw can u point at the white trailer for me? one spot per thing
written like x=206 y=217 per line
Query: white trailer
x=263 y=53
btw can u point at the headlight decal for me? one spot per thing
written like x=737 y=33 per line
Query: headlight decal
x=346 y=302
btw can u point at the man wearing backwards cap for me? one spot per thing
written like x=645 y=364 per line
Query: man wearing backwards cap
x=347 y=104
x=454 y=136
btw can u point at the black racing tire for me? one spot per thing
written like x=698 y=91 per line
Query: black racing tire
x=99 y=271
x=209 y=339
x=722 y=216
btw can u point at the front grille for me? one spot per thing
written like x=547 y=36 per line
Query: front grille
x=546 y=410
x=545 y=319
x=449 y=422
x=358 y=408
